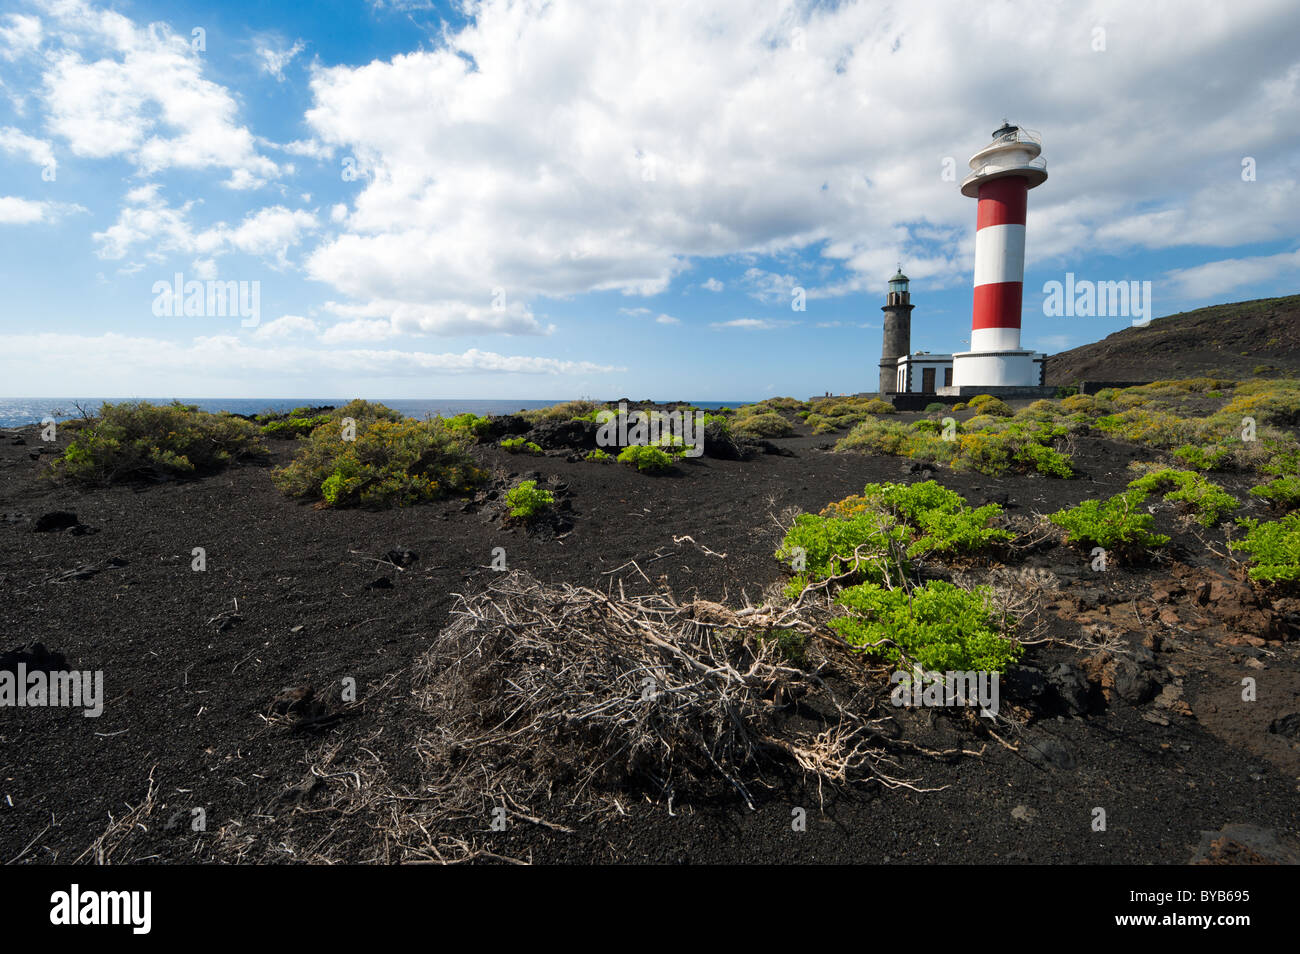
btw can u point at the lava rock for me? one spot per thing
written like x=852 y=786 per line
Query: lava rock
x=565 y=435
x=1026 y=686
x=1287 y=726
x=768 y=447
x=1070 y=687
x=296 y=700
x=38 y=658
x=719 y=444
x=380 y=583
x=507 y=425
x=55 y=520
x=401 y=556
x=1047 y=752
x=1133 y=683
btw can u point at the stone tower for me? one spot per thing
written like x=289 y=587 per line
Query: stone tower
x=898 y=332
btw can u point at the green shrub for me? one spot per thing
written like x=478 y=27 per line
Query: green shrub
x=598 y=455
x=526 y=501
x=469 y=423
x=565 y=411
x=645 y=458
x=135 y=439
x=935 y=406
x=938 y=627
x=875 y=535
x=1274 y=548
x=762 y=424
x=995 y=408
x=1203 y=458
x=389 y=463
x=1284 y=463
x=518 y=445
x=1207 y=500
x=865 y=545
x=1120 y=524
x=297 y=423
x=1282 y=492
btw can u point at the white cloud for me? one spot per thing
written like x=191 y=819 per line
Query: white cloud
x=668 y=320
x=113 y=89
x=147 y=220
x=713 y=285
x=1215 y=278
x=310 y=148
x=18 y=211
x=275 y=56
x=21 y=34
x=18 y=143
x=497 y=158
x=385 y=318
x=285 y=327
x=103 y=357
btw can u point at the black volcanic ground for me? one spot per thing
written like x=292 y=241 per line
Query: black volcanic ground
x=1169 y=750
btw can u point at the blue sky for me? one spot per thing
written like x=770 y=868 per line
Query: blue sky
x=607 y=198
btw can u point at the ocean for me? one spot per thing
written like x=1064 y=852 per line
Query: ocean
x=16 y=412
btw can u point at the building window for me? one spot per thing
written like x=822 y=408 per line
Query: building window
x=947 y=377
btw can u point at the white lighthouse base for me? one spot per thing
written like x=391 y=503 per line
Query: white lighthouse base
x=996 y=369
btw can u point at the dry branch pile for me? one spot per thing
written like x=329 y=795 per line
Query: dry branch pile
x=547 y=704
x=533 y=685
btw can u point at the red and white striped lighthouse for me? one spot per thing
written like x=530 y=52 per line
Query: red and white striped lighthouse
x=1002 y=173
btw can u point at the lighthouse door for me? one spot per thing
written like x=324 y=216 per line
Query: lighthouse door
x=927 y=381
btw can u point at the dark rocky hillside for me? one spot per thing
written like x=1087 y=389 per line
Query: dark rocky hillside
x=1238 y=340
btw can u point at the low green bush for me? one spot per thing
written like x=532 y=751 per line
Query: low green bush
x=761 y=425
x=518 y=445
x=138 y=439
x=1207 y=500
x=526 y=501
x=386 y=463
x=1274 y=548
x=937 y=626
x=645 y=458
x=1120 y=525
x=469 y=423
x=565 y=411
x=1281 y=492
x=1203 y=458
x=598 y=455
x=875 y=536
